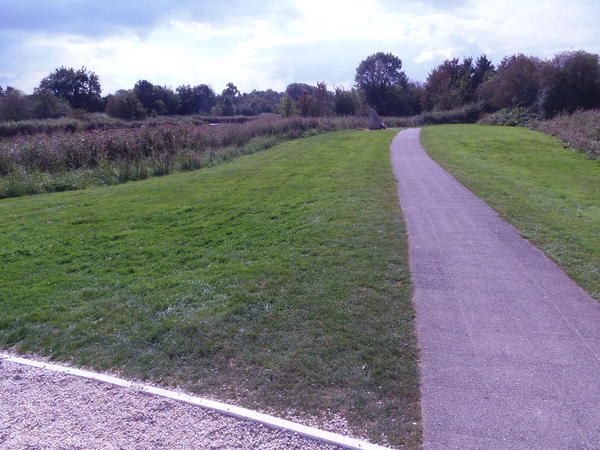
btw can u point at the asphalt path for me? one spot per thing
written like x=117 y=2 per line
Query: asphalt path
x=510 y=346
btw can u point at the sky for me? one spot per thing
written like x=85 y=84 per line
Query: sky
x=260 y=44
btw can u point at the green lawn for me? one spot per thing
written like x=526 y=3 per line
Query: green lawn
x=277 y=281
x=550 y=194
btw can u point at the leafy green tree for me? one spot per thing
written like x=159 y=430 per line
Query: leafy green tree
x=197 y=99
x=145 y=93
x=345 y=103
x=81 y=88
x=231 y=91
x=381 y=80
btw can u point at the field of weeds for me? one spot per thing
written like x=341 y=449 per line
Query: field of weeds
x=69 y=160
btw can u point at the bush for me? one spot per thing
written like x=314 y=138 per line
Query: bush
x=46 y=105
x=579 y=130
x=125 y=106
x=516 y=117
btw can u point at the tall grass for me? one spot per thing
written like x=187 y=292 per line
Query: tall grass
x=102 y=122
x=73 y=160
x=579 y=130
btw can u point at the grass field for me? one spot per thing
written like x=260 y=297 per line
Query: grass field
x=278 y=281
x=550 y=194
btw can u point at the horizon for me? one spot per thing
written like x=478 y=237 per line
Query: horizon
x=271 y=44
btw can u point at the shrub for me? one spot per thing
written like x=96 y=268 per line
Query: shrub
x=579 y=130
x=515 y=117
x=125 y=106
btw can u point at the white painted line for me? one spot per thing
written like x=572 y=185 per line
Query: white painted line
x=231 y=410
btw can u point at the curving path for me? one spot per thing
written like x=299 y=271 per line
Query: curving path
x=510 y=346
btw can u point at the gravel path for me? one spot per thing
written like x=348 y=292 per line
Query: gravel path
x=510 y=346
x=43 y=409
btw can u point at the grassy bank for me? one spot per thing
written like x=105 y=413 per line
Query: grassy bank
x=276 y=281
x=552 y=196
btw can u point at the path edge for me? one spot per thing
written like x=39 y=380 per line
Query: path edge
x=316 y=434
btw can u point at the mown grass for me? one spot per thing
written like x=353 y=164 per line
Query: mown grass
x=551 y=195
x=277 y=281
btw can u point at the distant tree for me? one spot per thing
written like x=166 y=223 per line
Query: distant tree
x=46 y=105
x=483 y=71
x=304 y=104
x=227 y=107
x=345 y=103
x=450 y=85
x=14 y=105
x=166 y=100
x=296 y=90
x=569 y=81
x=322 y=100
x=144 y=91
x=231 y=91
x=380 y=79
x=156 y=99
x=1 y=92
x=197 y=99
x=81 y=88
x=515 y=84
x=287 y=107
x=125 y=105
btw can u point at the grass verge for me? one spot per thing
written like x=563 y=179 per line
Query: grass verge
x=277 y=281
x=550 y=195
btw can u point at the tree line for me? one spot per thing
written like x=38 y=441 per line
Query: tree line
x=565 y=82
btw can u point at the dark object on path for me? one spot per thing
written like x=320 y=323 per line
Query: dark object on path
x=375 y=122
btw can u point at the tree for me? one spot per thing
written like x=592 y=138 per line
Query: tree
x=380 y=79
x=287 y=107
x=231 y=91
x=125 y=105
x=516 y=84
x=296 y=90
x=227 y=109
x=14 y=105
x=144 y=91
x=46 y=105
x=81 y=88
x=345 y=102
x=322 y=100
x=569 y=81
x=197 y=99
x=483 y=71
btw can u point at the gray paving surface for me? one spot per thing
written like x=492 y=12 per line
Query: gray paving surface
x=510 y=346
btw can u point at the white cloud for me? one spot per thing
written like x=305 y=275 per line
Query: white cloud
x=322 y=40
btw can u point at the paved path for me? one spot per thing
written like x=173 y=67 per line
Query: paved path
x=510 y=346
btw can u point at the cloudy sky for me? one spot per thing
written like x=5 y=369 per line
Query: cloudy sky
x=259 y=44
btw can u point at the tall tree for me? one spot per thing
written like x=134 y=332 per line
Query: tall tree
x=381 y=80
x=516 y=84
x=81 y=88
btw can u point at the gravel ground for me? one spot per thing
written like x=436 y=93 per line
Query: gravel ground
x=43 y=409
